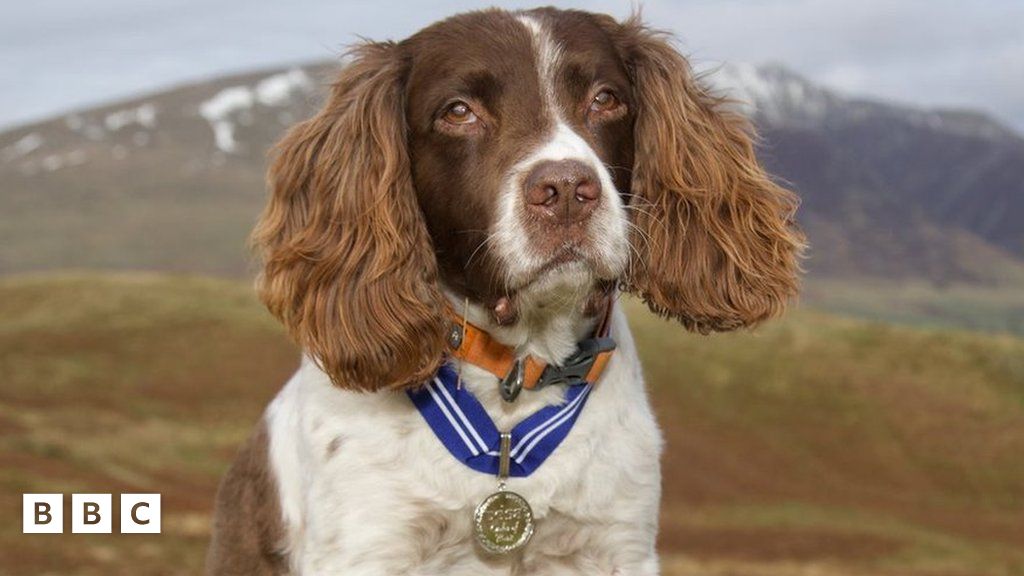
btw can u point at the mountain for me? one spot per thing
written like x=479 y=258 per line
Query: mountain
x=173 y=181
x=890 y=191
x=167 y=181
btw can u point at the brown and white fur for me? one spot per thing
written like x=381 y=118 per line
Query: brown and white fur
x=522 y=162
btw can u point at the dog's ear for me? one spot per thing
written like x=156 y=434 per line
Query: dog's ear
x=716 y=246
x=348 y=265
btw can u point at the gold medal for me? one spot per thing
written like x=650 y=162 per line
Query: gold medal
x=504 y=520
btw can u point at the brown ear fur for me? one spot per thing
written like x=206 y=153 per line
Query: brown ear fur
x=348 y=263
x=716 y=245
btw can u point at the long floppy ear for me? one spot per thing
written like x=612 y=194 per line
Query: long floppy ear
x=349 y=267
x=716 y=245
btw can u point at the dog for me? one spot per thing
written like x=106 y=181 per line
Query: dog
x=447 y=238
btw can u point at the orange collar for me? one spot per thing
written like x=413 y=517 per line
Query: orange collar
x=475 y=346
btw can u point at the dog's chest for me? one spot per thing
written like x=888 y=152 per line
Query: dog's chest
x=373 y=491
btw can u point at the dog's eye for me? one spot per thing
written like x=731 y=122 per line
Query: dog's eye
x=459 y=113
x=604 y=101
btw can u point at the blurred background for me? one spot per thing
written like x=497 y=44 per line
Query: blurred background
x=877 y=430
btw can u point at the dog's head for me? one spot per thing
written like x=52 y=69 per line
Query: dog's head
x=495 y=151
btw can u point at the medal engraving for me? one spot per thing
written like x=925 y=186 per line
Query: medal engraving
x=503 y=522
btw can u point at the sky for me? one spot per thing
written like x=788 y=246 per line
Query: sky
x=57 y=55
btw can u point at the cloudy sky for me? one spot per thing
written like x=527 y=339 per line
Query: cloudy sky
x=59 y=54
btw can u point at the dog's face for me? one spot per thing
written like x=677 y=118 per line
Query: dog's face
x=495 y=150
x=521 y=141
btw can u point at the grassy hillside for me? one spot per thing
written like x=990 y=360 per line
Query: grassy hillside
x=816 y=445
x=994 y=308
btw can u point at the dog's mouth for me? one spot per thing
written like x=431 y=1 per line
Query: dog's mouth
x=569 y=277
x=564 y=257
x=570 y=258
x=571 y=267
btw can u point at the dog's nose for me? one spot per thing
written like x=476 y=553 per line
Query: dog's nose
x=562 y=191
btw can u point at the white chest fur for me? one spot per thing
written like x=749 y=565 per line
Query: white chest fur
x=367 y=489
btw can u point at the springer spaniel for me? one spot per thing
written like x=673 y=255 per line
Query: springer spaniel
x=445 y=239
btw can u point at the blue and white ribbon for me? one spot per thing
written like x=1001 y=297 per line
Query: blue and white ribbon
x=463 y=426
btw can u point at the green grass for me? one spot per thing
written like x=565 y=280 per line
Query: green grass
x=815 y=445
x=998 y=308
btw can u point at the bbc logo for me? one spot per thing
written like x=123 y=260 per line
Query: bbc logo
x=90 y=514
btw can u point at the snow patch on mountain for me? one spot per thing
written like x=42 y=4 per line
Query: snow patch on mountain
x=224 y=108
x=226 y=102
x=217 y=111
x=143 y=115
x=23 y=147
x=771 y=93
x=277 y=90
x=53 y=162
x=777 y=97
